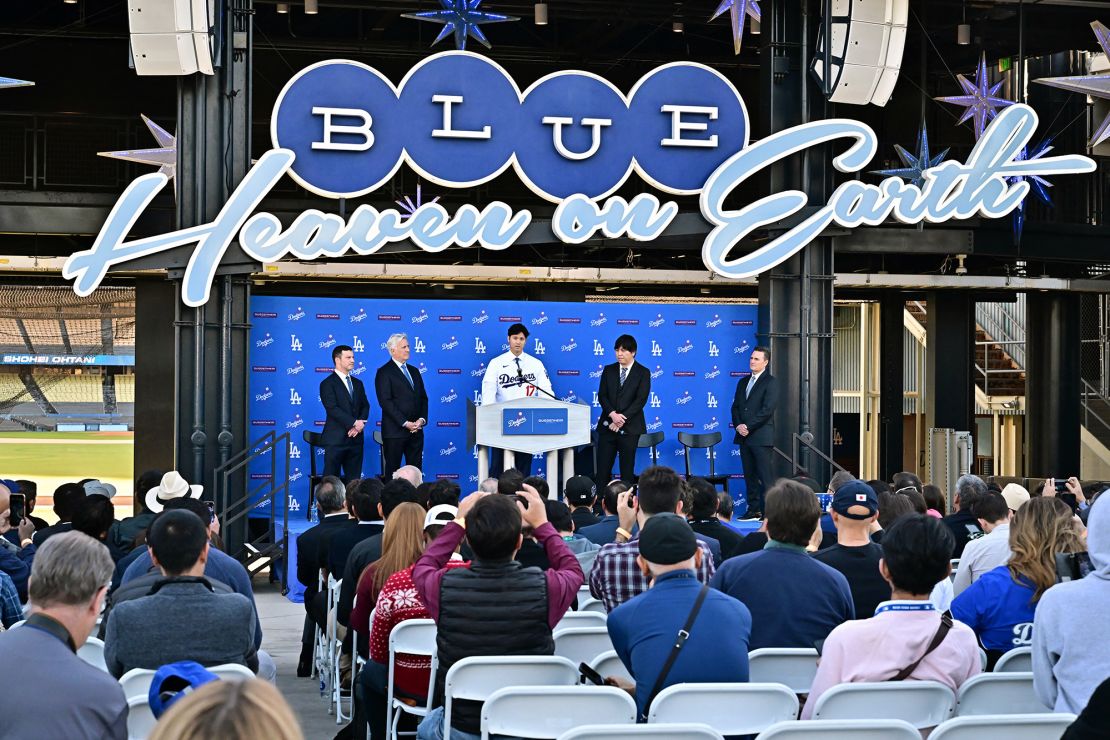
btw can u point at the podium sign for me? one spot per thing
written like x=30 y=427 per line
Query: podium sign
x=520 y=421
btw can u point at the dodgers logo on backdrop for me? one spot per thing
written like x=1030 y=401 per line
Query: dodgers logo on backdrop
x=479 y=347
x=713 y=350
x=360 y=369
x=710 y=400
x=329 y=342
x=264 y=395
x=713 y=322
x=450 y=344
x=715 y=372
x=541 y=319
x=598 y=349
x=685 y=347
x=569 y=346
x=481 y=318
x=656 y=349
x=297 y=315
x=597 y=373
x=653 y=400
x=421 y=317
x=538 y=348
x=294 y=397
x=296 y=369
x=417 y=346
x=358 y=316
x=657 y=372
x=265 y=341
x=744 y=347
x=357 y=345
x=599 y=320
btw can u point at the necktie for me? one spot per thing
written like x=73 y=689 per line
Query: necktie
x=408 y=375
x=624 y=375
x=350 y=386
x=748 y=390
x=518 y=370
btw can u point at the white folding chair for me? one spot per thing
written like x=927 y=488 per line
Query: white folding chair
x=478 y=677
x=92 y=652
x=140 y=720
x=136 y=682
x=581 y=619
x=1018 y=660
x=608 y=664
x=792 y=667
x=1004 y=727
x=20 y=623
x=232 y=672
x=729 y=708
x=335 y=654
x=412 y=637
x=983 y=659
x=842 y=729
x=921 y=703
x=582 y=644
x=998 y=693
x=319 y=653
x=592 y=605
x=549 y=711
x=683 y=731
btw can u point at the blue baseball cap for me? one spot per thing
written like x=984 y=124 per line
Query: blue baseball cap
x=11 y=485
x=175 y=680
x=855 y=493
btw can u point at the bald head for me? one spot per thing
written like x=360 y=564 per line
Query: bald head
x=5 y=497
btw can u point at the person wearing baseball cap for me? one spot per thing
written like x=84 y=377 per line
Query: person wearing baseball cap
x=580 y=494
x=855 y=507
x=644 y=628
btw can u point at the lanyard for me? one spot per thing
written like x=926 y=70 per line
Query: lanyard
x=924 y=606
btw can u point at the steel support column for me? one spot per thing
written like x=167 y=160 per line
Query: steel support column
x=949 y=354
x=892 y=331
x=1053 y=384
x=796 y=297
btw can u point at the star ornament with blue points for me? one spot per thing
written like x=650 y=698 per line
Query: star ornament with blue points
x=915 y=166
x=461 y=18
x=980 y=99
x=12 y=82
x=164 y=156
x=737 y=11
x=1037 y=185
x=1097 y=86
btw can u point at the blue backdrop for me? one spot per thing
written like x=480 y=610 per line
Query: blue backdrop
x=696 y=354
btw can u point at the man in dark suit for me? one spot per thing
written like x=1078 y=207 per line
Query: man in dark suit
x=624 y=389
x=313 y=546
x=347 y=409
x=753 y=415
x=404 y=403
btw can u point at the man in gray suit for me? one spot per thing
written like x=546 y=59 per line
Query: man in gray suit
x=185 y=617
x=753 y=415
x=49 y=691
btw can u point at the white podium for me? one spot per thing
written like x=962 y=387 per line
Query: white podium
x=529 y=426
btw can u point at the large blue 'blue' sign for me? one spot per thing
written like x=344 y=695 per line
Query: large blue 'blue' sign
x=459 y=119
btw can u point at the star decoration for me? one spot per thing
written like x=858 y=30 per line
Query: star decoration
x=12 y=82
x=1038 y=185
x=737 y=11
x=980 y=99
x=409 y=206
x=914 y=167
x=1094 y=85
x=164 y=156
x=461 y=18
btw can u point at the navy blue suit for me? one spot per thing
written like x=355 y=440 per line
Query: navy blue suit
x=342 y=453
x=401 y=401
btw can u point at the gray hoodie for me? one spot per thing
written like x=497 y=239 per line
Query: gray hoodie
x=1071 y=639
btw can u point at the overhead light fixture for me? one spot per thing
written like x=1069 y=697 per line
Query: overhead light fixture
x=963 y=31
x=311 y=7
x=283 y=7
x=677 y=27
x=70 y=2
x=755 y=27
x=541 y=14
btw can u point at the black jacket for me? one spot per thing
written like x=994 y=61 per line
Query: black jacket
x=628 y=399
x=342 y=409
x=400 y=401
x=312 y=550
x=756 y=410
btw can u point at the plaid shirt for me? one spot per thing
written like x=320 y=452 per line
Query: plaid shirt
x=11 y=611
x=616 y=578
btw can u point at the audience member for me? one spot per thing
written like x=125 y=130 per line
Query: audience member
x=934 y=500
x=783 y=580
x=30 y=491
x=172 y=486
x=121 y=538
x=580 y=493
x=489 y=485
x=540 y=484
x=686 y=502
x=510 y=481
x=230 y=710
x=366 y=504
x=854 y=509
x=16 y=559
x=725 y=510
x=605 y=531
x=1015 y=495
x=391 y=598
x=644 y=629
x=95 y=516
x=963 y=524
x=991 y=550
x=905 y=482
x=67 y=497
x=1091 y=723
x=312 y=558
x=1000 y=605
x=615 y=577
x=411 y=473
x=444 y=492
x=560 y=517
x=892 y=507
x=398 y=491
x=11 y=610
x=839 y=478
x=880 y=487
x=49 y=691
x=917 y=501
x=703 y=517
x=423 y=492
x=907 y=638
x=518 y=622
x=149 y=632
x=1070 y=643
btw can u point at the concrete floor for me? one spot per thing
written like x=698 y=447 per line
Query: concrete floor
x=282 y=622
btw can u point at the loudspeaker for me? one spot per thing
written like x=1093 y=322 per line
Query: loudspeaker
x=171 y=37
x=865 y=45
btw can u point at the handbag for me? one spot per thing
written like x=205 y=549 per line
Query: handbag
x=680 y=640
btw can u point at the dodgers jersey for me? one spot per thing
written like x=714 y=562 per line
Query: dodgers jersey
x=502 y=382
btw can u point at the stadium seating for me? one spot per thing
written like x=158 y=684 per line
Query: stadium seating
x=549 y=711
x=1004 y=727
x=729 y=708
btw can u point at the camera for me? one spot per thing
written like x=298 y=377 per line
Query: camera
x=1061 y=484
x=1072 y=566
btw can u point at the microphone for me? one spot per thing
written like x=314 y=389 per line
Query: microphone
x=605 y=423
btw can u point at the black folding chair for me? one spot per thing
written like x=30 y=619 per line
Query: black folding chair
x=313 y=440
x=701 y=442
x=652 y=440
